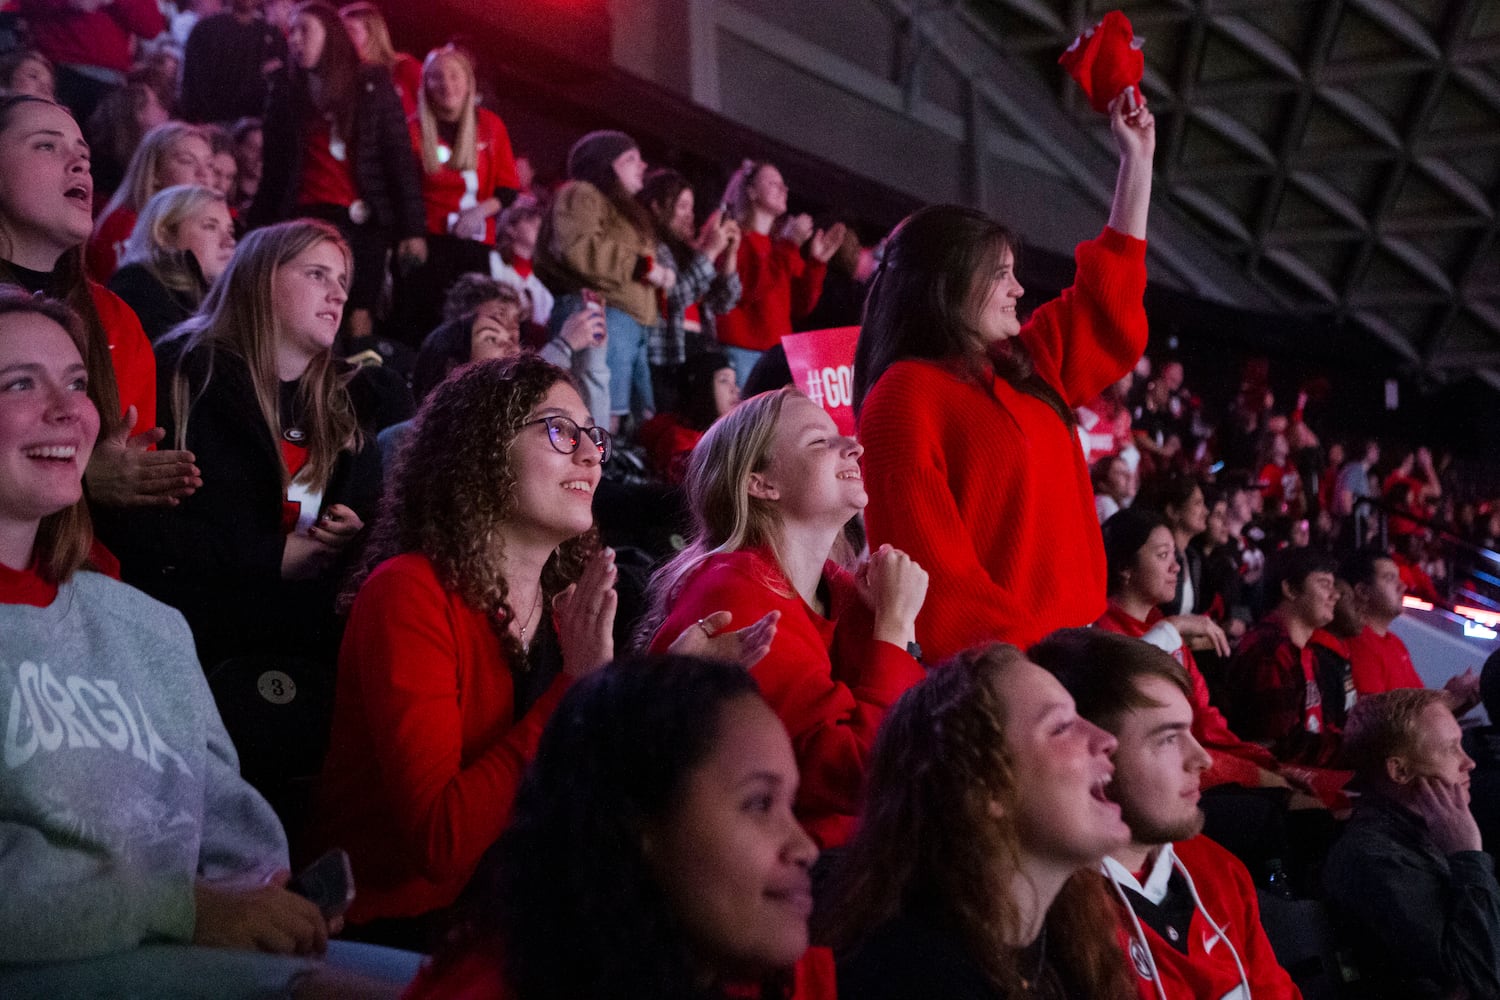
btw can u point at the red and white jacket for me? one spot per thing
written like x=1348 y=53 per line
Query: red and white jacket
x=1227 y=956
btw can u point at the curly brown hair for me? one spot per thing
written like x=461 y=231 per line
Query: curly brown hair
x=929 y=838
x=454 y=485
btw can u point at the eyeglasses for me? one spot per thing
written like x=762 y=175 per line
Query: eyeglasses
x=565 y=435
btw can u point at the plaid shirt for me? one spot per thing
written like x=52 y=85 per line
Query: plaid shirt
x=667 y=343
x=1270 y=700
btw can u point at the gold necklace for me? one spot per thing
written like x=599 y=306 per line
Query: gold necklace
x=535 y=606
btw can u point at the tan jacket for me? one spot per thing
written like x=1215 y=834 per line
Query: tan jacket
x=587 y=243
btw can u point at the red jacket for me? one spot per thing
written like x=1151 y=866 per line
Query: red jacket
x=1235 y=762
x=1224 y=927
x=101 y=39
x=478 y=976
x=827 y=679
x=426 y=753
x=985 y=486
x=779 y=284
x=130 y=354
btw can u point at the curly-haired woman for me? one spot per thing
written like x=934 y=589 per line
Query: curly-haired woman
x=482 y=596
x=771 y=486
x=653 y=853
x=974 y=872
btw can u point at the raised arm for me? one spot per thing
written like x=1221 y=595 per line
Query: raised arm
x=1135 y=135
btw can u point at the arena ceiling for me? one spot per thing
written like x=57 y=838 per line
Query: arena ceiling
x=1347 y=152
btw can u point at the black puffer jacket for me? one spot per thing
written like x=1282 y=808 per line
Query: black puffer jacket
x=386 y=173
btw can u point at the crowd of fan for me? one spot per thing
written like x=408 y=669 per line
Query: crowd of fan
x=306 y=355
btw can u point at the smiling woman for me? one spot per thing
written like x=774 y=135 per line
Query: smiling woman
x=653 y=853
x=256 y=393
x=771 y=486
x=482 y=595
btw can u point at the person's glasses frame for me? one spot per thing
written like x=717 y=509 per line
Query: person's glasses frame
x=566 y=435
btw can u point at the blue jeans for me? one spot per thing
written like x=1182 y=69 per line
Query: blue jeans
x=742 y=360
x=616 y=378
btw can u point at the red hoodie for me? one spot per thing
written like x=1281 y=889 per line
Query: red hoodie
x=102 y=39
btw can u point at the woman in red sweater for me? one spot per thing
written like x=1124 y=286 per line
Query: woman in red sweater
x=169 y=155
x=779 y=284
x=46 y=203
x=972 y=461
x=771 y=486
x=653 y=852
x=482 y=596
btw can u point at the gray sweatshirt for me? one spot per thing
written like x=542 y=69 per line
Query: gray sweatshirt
x=118 y=784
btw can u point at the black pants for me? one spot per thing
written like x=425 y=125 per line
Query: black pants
x=419 y=292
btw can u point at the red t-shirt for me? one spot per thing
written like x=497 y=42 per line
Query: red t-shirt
x=407 y=75
x=129 y=354
x=448 y=191
x=327 y=171
x=1381 y=663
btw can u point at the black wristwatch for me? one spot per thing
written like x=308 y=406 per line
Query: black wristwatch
x=915 y=649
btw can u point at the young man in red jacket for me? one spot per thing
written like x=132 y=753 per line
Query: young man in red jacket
x=1188 y=907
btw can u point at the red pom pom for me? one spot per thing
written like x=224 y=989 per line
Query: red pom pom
x=1105 y=60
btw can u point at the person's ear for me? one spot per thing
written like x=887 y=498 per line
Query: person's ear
x=1289 y=592
x=996 y=810
x=1398 y=771
x=761 y=489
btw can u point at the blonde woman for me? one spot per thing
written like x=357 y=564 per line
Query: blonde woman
x=251 y=385
x=181 y=244
x=468 y=175
x=771 y=486
x=372 y=39
x=170 y=154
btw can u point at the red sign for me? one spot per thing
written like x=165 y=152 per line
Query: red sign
x=822 y=364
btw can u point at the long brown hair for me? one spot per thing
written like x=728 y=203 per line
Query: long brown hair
x=337 y=71
x=65 y=537
x=929 y=286
x=143 y=175
x=239 y=317
x=929 y=838
x=454 y=486
x=71 y=286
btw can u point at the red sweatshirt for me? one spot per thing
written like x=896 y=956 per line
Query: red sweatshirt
x=779 y=284
x=130 y=354
x=426 y=753
x=985 y=487
x=1223 y=926
x=102 y=39
x=479 y=976
x=1235 y=762
x=1381 y=663
x=827 y=679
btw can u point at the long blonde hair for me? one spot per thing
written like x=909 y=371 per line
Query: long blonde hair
x=726 y=518
x=379 y=50
x=239 y=317
x=465 y=153
x=150 y=241
x=140 y=181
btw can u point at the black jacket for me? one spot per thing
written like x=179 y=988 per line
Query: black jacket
x=217 y=556
x=386 y=173
x=1423 y=923
x=158 y=307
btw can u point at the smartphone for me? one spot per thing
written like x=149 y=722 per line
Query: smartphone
x=593 y=300
x=328 y=883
